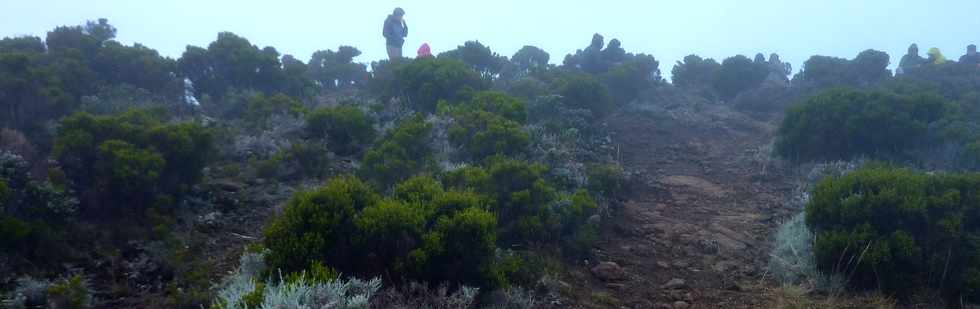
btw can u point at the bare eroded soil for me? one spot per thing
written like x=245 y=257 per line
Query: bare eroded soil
x=696 y=229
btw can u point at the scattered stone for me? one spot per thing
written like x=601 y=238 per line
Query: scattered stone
x=675 y=284
x=662 y=265
x=615 y=286
x=609 y=271
x=734 y=287
x=664 y=306
x=209 y=220
x=595 y=219
x=675 y=295
x=725 y=266
x=227 y=185
x=681 y=305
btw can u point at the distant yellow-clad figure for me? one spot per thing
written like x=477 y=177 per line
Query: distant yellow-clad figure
x=936 y=57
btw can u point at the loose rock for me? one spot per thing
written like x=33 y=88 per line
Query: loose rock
x=609 y=271
x=675 y=284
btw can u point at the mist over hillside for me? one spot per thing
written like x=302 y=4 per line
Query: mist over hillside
x=236 y=175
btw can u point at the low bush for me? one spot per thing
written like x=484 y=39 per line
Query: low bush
x=841 y=124
x=347 y=226
x=425 y=231
x=425 y=82
x=738 y=74
x=695 y=72
x=582 y=91
x=479 y=57
x=401 y=153
x=5 y=194
x=319 y=288
x=628 y=79
x=70 y=293
x=260 y=108
x=305 y=159
x=346 y=128
x=123 y=161
x=317 y=226
x=607 y=180
x=481 y=134
x=867 y=69
x=899 y=231
x=528 y=208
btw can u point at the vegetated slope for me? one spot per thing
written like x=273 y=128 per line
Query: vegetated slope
x=703 y=212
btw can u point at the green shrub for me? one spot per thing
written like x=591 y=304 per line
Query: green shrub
x=419 y=190
x=608 y=180
x=425 y=82
x=738 y=74
x=452 y=202
x=71 y=293
x=478 y=57
x=899 y=230
x=346 y=128
x=460 y=248
x=5 y=194
x=482 y=134
x=695 y=72
x=844 y=124
x=260 y=108
x=316 y=226
x=389 y=230
x=468 y=178
x=629 y=78
x=490 y=124
x=128 y=172
x=14 y=233
x=416 y=235
x=582 y=91
x=501 y=104
x=523 y=201
x=308 y=159
x=187 y=148
x=402 y=153
x=132 y=155
x=868 y=68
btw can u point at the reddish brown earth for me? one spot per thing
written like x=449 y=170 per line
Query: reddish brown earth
x=703 y=211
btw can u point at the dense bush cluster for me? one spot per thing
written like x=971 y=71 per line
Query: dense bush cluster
x=232 y=63
x=425 y=82
x=261 y=108
x=490 y=125
x=428 y=230
x=845 y=123
x=866 y=69
x=696 y=74
x=899 y=230
x=625 y=75
x=584 y=92
x=337 y=69
x=131 y=160
x=479 y=57
x=347 y=128
x=46 y=79
x=403 y=152
x=738 y=74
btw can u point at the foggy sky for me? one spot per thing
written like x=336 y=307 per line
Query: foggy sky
x=669 y=30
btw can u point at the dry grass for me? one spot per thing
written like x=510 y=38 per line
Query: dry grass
x=796 y=297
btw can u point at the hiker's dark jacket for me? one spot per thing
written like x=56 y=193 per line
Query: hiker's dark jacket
x=395 y=31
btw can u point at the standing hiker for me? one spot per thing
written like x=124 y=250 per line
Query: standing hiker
x=395 y=31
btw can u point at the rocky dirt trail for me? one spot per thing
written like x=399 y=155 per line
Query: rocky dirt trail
x=695 y=232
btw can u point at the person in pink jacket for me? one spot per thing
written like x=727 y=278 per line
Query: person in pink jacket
x=424 y=51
